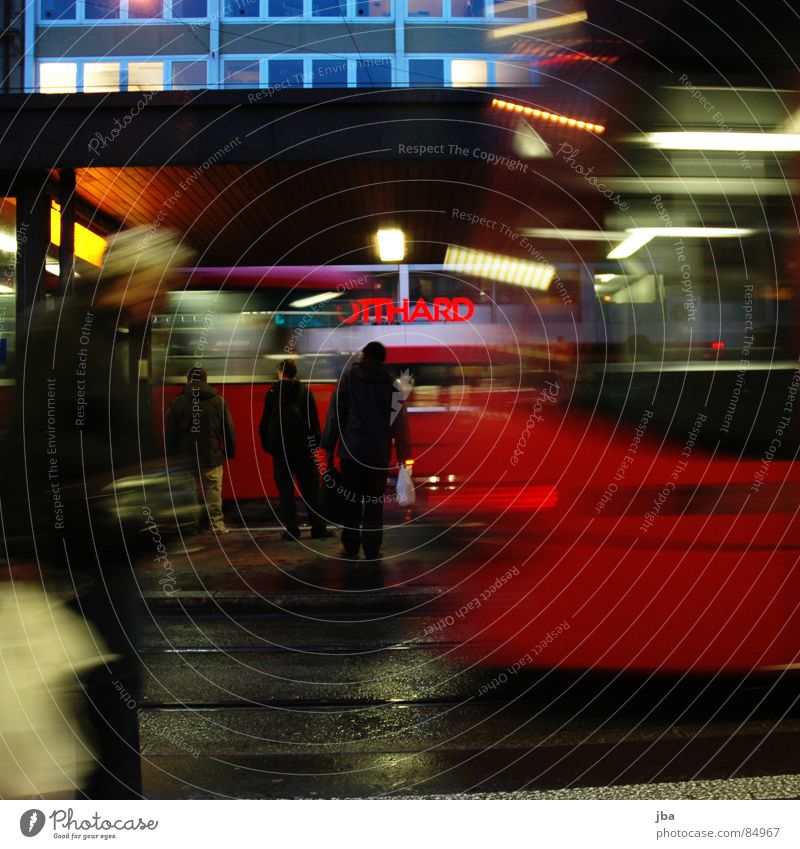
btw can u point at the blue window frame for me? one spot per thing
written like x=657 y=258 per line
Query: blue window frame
x=285 y=8
x=189 y=74
x=425 y=72
x=329 y=73
x=329 y=8
x=242 y=8
x=286 y=73
x=58 y=10
x=241 y=74
x=373 y=72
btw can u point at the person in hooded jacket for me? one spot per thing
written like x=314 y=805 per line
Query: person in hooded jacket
x=289 y=431
x=367 y=414
x=199 y=425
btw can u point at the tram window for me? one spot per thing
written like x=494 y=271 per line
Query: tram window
x=58 y=77
x=8 y=263
x=101 y=76
x=145 y=9
x=189 y=74
x=425 y=8
x=425 y=72
x=286 y=73
x=189 y=9
x=430 y=285
x=101 y=9
x=241 y=74
x=329 y=8
x=373 y=72
x=327 y=73
x=145 y=76
x=58 y=10
x=512 y=73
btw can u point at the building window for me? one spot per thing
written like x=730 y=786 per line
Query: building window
x=425 y=8
x=189 y=8
x=373 y=8
x=373 y=72
x=189 y=74
x=238 y=74
x=98 y=10
x=425 y=72
x=242 y=8
x=329 y=8
x=58 y=10
x=468 y=8
x=511 y=8
x=286 y=73
x=145 y=76
x=468 y=72
x=145 y=9
x=512 y=73
x=101 y=76
x=58 y=77
x=327 y=73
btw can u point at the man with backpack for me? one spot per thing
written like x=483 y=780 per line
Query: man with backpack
x=290 y=432
x=199 y=425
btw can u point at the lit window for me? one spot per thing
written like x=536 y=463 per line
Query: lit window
x=425 y=8
x=373 y=8
x=189 y=74
x=512 y=73
x=286 y=73
x=242 y=8
x=58 y=77
x=327 y=73
x=425 y=72
x=189 y=9
x=468 y=8
x=373 y=72
x=145 y=76
x=58 y=10
x=97 y=10
x=145 y=9
x=101 y=76
x=239 y=74
x=511 y=8
x=468 y=72
x=329 y=8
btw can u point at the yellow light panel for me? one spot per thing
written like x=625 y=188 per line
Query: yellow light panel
x=88 y=245
x=505 y=269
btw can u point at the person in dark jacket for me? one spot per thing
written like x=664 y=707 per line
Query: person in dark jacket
x=200 y=426
x=289 y=431
x=367 y=414
x=76 y=420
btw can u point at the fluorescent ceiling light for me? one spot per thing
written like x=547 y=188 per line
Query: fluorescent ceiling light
x=724 y=141
x=315 y=299
x=505 y=269
x=391 y=245
x=575 y=235
x=640 y=236
x=540 y=25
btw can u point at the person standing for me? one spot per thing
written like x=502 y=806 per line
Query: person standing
x=367 y=414
x=289 y=431
x=200 y=426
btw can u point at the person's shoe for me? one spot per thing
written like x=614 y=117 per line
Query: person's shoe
x=294 y=536
x=321 y=533
x=221 y=529
x=348 y=555
x=373 y=555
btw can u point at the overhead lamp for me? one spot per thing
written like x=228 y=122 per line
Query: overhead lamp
x=640 y=236
x=88 y=245
x=311 y=300
x=391 y=245
x=505 y=269
x=691 y=140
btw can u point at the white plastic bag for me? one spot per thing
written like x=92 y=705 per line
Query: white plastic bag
x=405 y=488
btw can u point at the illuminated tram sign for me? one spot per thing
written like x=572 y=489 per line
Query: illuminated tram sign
x=370 y=310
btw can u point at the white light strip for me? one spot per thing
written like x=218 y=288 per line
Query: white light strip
x=506 y=269
x=311 y=300
x=767 y=142
x=640 y=236
x=575 y=235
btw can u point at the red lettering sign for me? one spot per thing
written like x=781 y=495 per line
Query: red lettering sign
x=379 y=310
